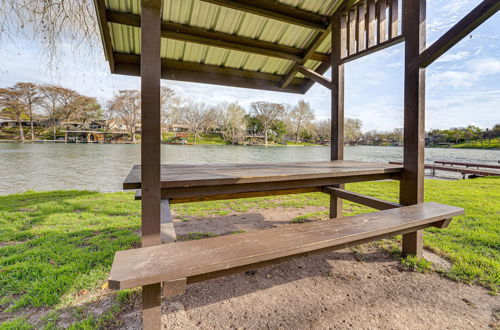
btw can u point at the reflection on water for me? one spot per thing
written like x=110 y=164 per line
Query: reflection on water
x=103 y=167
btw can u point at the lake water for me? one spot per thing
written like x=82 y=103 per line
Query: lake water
x=102 y=167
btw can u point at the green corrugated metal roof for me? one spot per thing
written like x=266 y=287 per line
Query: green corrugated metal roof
x=196 y=13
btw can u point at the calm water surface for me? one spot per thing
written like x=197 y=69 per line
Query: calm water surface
x=102 y=167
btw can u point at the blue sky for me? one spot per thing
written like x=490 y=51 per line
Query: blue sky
x=463 y=86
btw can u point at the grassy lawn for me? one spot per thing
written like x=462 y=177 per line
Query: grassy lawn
x=57 y=247
x=493 y=144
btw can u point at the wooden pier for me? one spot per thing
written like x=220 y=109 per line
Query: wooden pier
x=463 y=170
x=476 y=165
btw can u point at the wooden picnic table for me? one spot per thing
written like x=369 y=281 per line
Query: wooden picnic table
x=200 y=182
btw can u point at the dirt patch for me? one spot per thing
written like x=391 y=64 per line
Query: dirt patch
x=346 y=289
x=238 y=222
x=2 y=244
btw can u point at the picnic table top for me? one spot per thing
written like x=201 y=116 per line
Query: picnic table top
x=189 y=175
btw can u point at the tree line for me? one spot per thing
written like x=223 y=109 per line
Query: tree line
x=31 y=101
x=268 y=121
x=271 y=121
x=457 y=135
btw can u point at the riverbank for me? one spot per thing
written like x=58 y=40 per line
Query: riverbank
x=49 y=237
x=494 y=144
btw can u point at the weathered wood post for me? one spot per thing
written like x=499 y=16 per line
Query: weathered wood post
x=337 y=107
x=412 y=181
x=150 y=149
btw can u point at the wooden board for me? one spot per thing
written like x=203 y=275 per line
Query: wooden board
x=191 y=175
x=218 y=256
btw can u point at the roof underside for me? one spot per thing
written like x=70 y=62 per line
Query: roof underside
x=242 y=43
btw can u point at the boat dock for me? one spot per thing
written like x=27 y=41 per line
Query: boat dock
x=463 y=169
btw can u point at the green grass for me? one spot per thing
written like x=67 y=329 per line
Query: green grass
x=476 y=144
x=293 y=143
x=416 y=264
x=56 y=245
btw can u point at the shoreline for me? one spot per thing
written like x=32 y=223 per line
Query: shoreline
x=236 y=145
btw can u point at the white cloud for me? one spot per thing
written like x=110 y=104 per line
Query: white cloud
x=451 y=57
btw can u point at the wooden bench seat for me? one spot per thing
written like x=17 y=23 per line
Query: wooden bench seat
x=195 y=261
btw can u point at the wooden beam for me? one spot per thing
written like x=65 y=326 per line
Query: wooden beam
x=277 y=11
x=369 y=201
x=127 y=64
x=315 y=43
x=313 y=75
x=150 y=70
x=412 y=180
x=318 y=40
x=337 y=108
x=182 y=32
x=373 y=49
x=466 y=25
x=100 y=7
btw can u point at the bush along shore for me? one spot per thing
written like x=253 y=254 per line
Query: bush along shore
x=56 y=248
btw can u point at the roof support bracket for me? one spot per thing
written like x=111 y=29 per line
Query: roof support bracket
x=313 y=75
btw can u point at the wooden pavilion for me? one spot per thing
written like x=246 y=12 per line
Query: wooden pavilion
x=276 y=45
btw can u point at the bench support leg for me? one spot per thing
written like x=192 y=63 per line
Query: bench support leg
x=151 y=306
x=336 y=204
x=413 y=244
x=167 y=226
x=168 y=235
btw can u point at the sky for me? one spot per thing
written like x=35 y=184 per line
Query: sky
x=462 y=87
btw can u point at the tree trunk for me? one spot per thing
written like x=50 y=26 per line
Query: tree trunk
x=31 y=124
x=54 y=128
x=21 y=132
x=265 y=136
x=133 y=135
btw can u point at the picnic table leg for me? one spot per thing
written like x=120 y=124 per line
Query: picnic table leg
x=167 y=226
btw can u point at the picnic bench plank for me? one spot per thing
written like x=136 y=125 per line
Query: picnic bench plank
x=218 y=256
x=188 y=175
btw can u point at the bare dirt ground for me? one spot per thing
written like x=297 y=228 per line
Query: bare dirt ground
x=346 y=289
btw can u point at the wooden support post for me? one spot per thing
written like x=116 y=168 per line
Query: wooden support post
x=412 y=180
x=150 y=149
x=337 y=107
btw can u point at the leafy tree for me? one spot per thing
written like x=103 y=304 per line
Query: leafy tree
x=230 y=119
x=30 y=97
x=300 y=116
x=352 y=130
x=278 y=127
x=323 y=129
x=266 y=113
x=10 y=99
x=196 y=116
x=254 y=125
x=170 y=107
x=52 y=104
x=306 y=134
x=126 y=106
